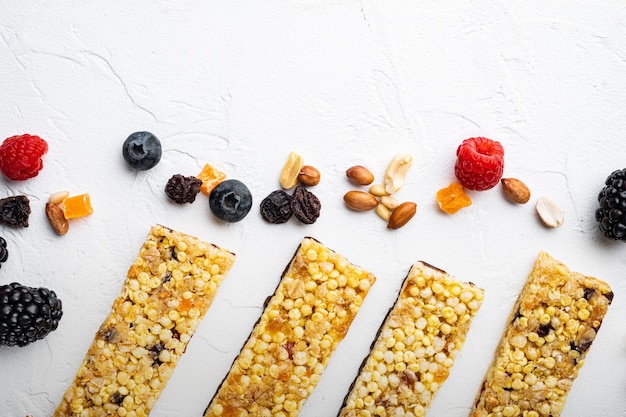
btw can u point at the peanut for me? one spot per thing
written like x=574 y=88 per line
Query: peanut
x=360 y=175
x=309 y=176
x=360 y=200
x=390 y=202
x=58 y=197
x=383 y=212
x=396 y=172
x=401 y=215
x=550 y=214
x=378 y=190
x=57 y=219
x=291 y=170
x=515 y=190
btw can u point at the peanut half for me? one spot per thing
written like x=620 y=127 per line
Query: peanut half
x=515 y=190
x=360 y=200
x=57 y=219
x=291 y=171
x=550 y=214
x=378 y=190
x=401 y=215
x=58 y=197
x=390 y=202
x=383 y=212
x=360 y=175
x=396 y=172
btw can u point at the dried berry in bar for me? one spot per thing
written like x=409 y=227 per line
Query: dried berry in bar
x=181 y=189
x=276 y=207
x=305 y=205
x=15 y=211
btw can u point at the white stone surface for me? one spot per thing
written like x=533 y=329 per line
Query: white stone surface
x=241 y=83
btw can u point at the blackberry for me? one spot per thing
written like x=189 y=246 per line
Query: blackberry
x=611 y=215
x=4 y=252
x=27 y=314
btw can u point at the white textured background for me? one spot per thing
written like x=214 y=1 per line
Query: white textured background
x=241 y=83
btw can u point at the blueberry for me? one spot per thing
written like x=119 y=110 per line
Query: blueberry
x=142 y=150
x=230 y=200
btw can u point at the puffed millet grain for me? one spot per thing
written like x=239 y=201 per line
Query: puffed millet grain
x=136 y=349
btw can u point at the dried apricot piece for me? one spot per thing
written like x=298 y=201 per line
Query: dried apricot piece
x=210 y=177
x=77 y=206
x=453 y=198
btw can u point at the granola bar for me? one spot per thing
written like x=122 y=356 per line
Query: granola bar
x=549 y=332
x=168 y=290
x=416 y=345
x=310 y=312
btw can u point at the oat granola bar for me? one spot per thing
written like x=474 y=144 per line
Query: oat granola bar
x=310 y=312
x=169 y=288
x=550 y=330
x=416 y=345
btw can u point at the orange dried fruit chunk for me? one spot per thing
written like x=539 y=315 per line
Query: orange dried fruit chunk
x=210 y=177
x=77 y=206
x=453 y=198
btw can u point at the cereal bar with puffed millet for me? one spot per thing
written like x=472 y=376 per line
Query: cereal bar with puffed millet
x=416 y=345
x=168 y=290
x=549 y=332
x=282 y=361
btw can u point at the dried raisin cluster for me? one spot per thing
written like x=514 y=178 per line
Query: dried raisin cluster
x=183 y=189
x=15 y=211
x=279 y=206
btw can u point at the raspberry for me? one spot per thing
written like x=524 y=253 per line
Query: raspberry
x=20 y=156
x=480 y=163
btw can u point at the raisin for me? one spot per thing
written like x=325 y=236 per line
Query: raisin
x=108 y=334
x=276 y=207
x=544 y=330
x=15 y=210
x=183 y=189
x=586 y=339
x=517 y=315
x=154 y=352
x=305 y=205
x=589 y=292
x=117 y=398
x=289 y=348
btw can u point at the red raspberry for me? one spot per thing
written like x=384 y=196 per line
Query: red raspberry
x=20 y=156
x=479 y=164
